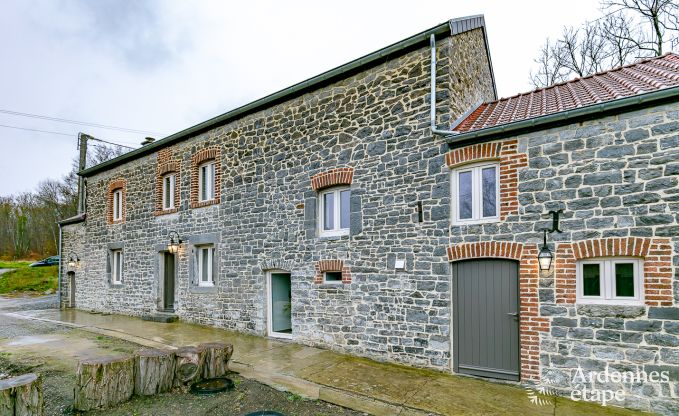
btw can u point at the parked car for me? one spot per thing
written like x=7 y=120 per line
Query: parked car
x=50 y=261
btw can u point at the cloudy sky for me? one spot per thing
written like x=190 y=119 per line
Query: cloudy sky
x=163 y=65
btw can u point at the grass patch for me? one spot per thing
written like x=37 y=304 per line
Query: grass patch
x=14 y=264
x=28 y=279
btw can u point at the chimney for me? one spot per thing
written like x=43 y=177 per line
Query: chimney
x=148 y=140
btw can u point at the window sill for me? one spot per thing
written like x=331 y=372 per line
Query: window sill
x=609 y=302
x=475 y=222
x=328 y=285
x=202 y=204
x=212 y=289
x=331 y=237
x=115 y=285
x=166 y=212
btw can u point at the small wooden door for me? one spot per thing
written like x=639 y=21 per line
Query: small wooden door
x=486 y=319
x=168 y=281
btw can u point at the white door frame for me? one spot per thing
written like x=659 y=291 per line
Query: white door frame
x=269 y=306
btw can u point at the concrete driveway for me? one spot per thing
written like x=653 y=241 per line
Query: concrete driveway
x=359 y=384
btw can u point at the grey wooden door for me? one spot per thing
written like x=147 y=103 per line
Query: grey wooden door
x=168 y=281
x=485 y=318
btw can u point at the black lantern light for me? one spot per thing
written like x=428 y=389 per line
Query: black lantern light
x=545 y=256
x=73 y=260
x=175 y=241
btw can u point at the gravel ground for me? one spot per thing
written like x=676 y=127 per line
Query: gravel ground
x=26 y=303
x=11 y=327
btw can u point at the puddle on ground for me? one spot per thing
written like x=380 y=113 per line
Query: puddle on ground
x=30 y=340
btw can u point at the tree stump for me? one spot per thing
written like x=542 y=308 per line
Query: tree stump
x=153 y=371
x=21 y=396
x=103 y=382
x=217 y=356
x=188 y=365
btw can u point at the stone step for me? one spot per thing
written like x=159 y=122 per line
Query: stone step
x=164 y=317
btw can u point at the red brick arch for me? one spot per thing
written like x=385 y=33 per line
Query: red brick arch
x=170 y=166
x=207 y=154
x=114 y=185
x=332 y=266
x=493 y=249
x=656 y=253
x=332 y=177
x=507 y=155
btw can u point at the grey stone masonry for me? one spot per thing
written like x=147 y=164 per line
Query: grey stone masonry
x=375 y=122
x=616 y=178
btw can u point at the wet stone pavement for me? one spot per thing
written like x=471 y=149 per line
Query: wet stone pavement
x=310 y=377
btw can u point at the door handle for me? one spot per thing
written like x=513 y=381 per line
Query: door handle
x=514 y=314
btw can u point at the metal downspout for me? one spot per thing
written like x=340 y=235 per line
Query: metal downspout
x=432 y=95
x=59 y=272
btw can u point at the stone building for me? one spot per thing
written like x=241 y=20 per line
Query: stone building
x=336 y=214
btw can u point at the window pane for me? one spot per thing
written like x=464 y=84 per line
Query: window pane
x=204 y=258
x=465 y=194
x=344 y=208
x=489 y=189
x=167 y=191
x=203 y=183
x=328 y=211
x=333 y=276
x=591 y=277
x=624 y=279
x=211 y=181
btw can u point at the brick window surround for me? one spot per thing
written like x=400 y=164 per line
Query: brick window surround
x=510 y=160
x=655 y=252
x=530 y=323
x=200 y=157
x=331 y=266
x=114 y=185
x=163 y=169
x=333 y=177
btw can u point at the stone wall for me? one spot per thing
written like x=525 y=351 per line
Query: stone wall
x=73 y=239
x=617 y=180
x=375 y=122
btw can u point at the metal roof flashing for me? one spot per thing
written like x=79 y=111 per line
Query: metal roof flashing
x=448 y=28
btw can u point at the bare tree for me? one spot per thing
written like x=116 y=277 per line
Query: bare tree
x=28 y=221
x=629 y=30
x=658 y=18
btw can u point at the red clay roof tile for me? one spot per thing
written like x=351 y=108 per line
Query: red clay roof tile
x=638 y=78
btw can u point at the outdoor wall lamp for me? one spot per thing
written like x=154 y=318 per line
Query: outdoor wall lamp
x=545 y=256
x=73 y=260
x=173 y=247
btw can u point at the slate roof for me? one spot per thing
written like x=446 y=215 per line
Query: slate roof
x=642 y=77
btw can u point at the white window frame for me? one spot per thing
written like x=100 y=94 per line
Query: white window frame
x=332 y=282
x=210 y=181
x=210 y=249
x=116 y=271
x=336 y=231
x=477 y=194
x=172 y=182
x=607 y=281
x=117 y=204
